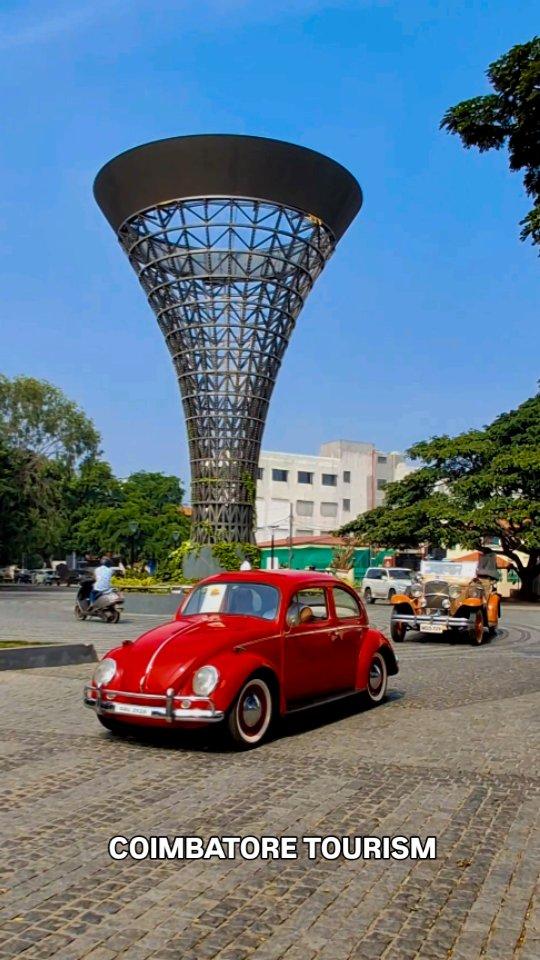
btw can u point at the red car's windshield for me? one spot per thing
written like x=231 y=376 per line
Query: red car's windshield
x=240 y=599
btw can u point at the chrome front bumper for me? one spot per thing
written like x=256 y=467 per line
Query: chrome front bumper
x=415 y=621
x=161 y=707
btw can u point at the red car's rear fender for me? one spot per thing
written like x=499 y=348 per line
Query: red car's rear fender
x=372 y=642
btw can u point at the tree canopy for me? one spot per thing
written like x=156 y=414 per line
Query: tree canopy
x=141 y=515
x=57 y=496
x=470 y=488
x=37 y=417
x=31 y=521
x=510 y=116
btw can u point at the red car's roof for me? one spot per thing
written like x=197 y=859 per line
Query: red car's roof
x=276 y=578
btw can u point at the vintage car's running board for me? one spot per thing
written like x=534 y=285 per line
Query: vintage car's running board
x=310 y=704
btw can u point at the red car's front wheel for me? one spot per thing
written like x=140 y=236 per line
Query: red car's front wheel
x=378 y=679
x=251 y=713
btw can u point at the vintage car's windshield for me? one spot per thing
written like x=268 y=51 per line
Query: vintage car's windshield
x=447 y=568
x=241 y=599
x=400 y=574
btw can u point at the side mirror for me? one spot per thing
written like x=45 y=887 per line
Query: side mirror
x=293 y=615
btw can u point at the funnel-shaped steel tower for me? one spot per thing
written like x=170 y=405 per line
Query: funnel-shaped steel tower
x=227 y=235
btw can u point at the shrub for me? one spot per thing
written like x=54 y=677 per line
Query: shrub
x=228 y=555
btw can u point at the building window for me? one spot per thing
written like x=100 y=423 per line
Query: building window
x=381 y=458
x=329 y=509
x=347 y=506
x=281 y=476
x=304 y=508
x=260 y=473
x=346 y=476
x=305 y=477
x=329 y=480
x=381 y=484
x=304 y=533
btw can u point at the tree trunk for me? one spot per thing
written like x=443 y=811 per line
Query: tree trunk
x=526 y=591
x=527 y=575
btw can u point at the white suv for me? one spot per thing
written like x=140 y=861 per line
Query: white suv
x=381 y=583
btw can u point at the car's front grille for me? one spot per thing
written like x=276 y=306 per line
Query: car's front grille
x=435 y=591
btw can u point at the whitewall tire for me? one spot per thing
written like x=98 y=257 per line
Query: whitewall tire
x=251 y=713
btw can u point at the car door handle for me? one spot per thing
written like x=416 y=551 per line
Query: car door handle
x=334 y=636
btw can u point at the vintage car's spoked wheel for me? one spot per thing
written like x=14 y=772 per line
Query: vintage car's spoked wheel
x=397 y=630
x=476 y=628
x=251 y=713
x=79 y=614
x=378 y=679
x=368 y=596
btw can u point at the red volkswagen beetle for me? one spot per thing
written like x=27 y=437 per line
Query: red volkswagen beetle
x=245 y=647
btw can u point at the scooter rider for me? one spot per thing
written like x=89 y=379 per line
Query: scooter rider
x=102 y=579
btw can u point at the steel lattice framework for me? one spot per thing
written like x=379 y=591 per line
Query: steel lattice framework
x=226 y=277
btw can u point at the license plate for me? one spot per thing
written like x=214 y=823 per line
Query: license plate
x=432 y=627
x=133 y=709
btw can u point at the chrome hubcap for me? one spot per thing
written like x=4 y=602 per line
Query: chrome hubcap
x=375 y=676
x=252 y=710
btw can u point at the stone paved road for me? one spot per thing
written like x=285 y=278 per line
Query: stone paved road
x=46 y=614
x=453 y=752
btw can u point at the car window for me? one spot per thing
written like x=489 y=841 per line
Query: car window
x=383 y=575
x=241 y=599
x=346 y=605
x=400 y=574
x=373 y=574
x=315 y=599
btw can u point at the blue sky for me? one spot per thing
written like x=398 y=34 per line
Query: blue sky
x=426 y=319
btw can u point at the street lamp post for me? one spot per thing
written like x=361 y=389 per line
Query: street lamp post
x=290 y=534
x=133 y=530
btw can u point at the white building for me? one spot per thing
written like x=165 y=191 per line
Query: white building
x=322 y=492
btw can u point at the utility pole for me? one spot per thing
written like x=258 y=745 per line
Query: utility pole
x=272 y=550
x=290 y=535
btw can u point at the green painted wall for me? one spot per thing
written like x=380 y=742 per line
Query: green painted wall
x=321 y=557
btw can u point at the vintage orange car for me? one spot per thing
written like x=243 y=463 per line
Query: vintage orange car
x=447 y=597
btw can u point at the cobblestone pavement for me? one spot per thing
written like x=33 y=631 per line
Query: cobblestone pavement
x=452 y=753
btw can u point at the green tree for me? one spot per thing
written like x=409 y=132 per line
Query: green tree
x=508 y=117
x=478 y=485
x=154 y=490
x=31 y=523
x=142 y=515
x=37 y=417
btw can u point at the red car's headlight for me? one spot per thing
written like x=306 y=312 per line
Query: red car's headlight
x=104 y=671
x=205 y=680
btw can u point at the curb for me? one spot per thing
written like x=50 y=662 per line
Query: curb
x=53 y=655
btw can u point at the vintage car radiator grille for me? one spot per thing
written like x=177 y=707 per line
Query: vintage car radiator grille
x=435 y=591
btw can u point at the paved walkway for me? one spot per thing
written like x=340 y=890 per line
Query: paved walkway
x=48 y=615
x=453 y=752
